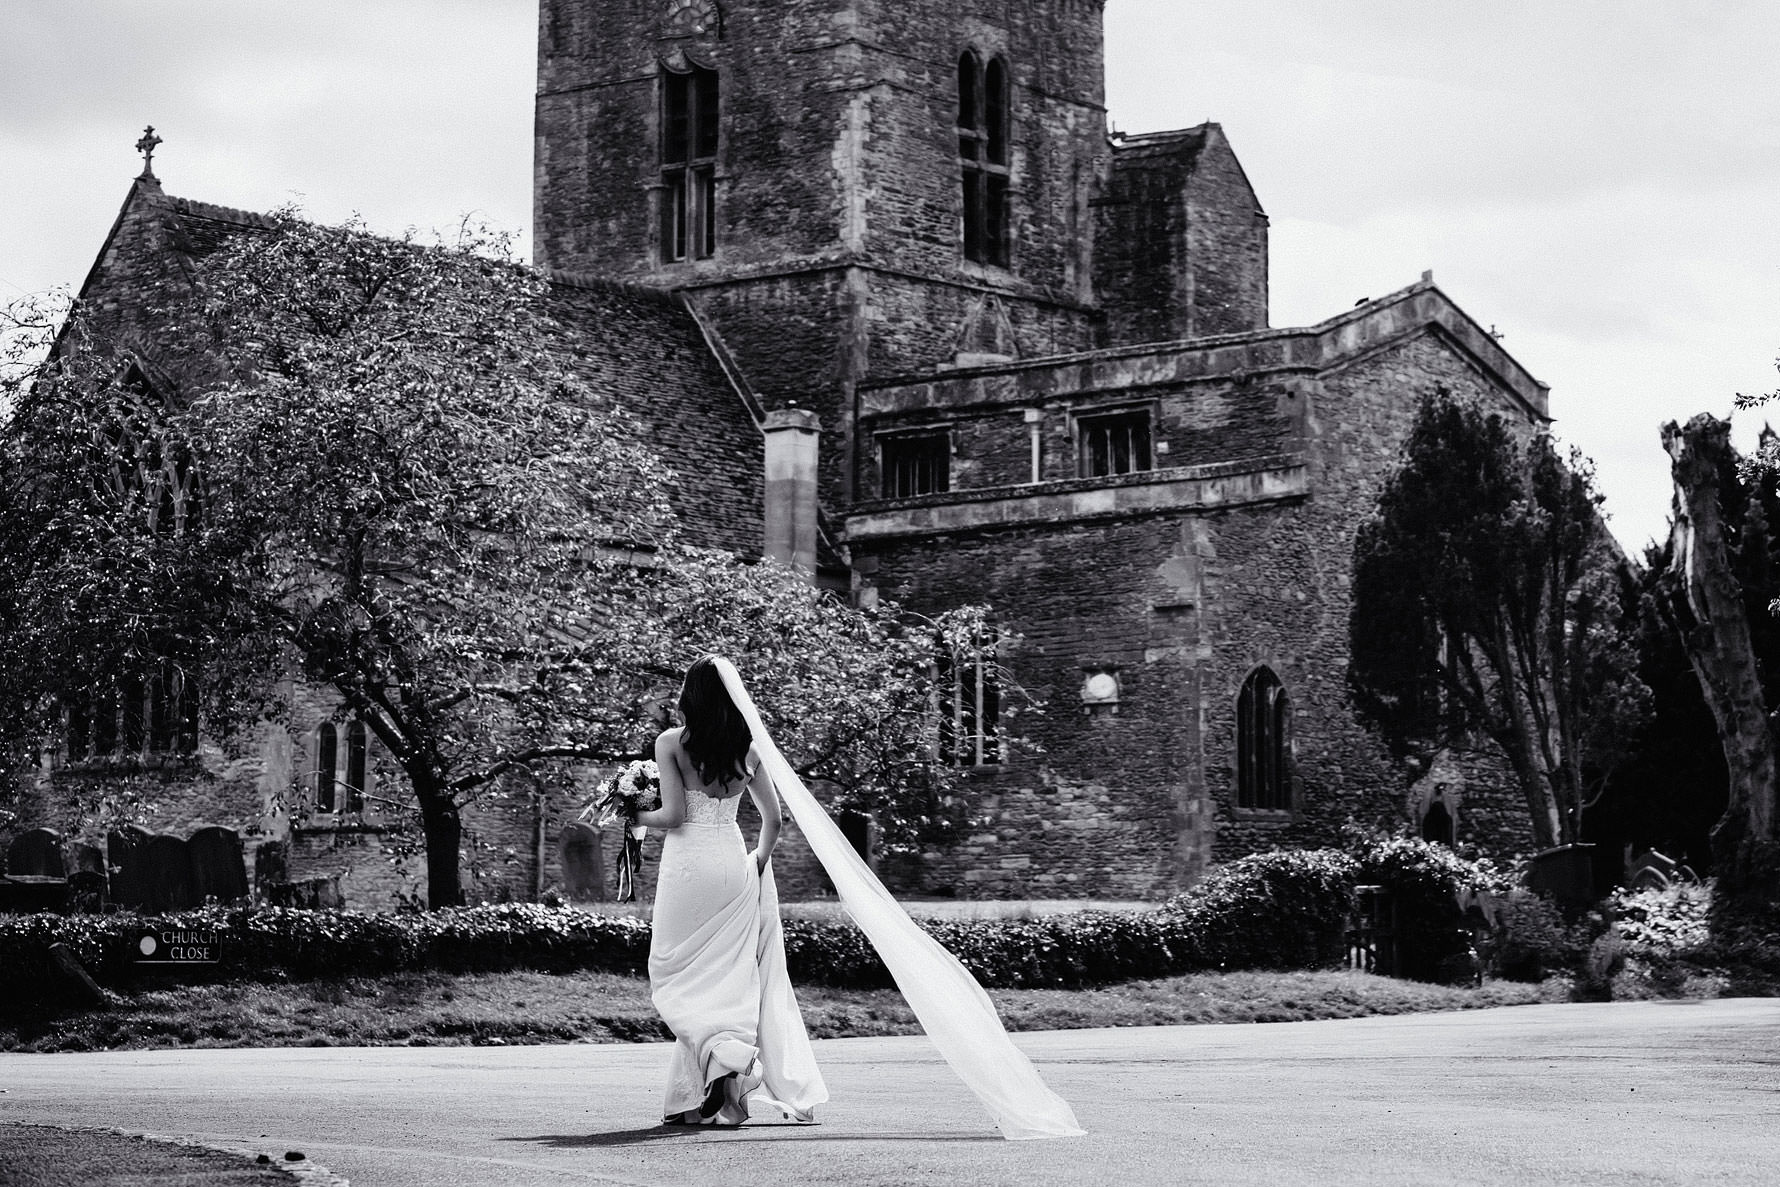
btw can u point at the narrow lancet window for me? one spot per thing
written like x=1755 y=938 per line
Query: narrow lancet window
x=983 y=157
x=688 y=164
x=1263 y=744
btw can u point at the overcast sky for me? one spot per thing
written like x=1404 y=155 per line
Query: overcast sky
x=1597 y=179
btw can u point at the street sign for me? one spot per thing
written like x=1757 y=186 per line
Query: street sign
x=177 y=945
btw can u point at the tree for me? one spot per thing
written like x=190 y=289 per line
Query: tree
x=1710 y=598
x=1485 y=603
x=396 y=484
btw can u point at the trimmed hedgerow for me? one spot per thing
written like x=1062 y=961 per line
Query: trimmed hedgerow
x=270 y=943
x=1285 y=910
x=1082 y=948
x=1427 y=882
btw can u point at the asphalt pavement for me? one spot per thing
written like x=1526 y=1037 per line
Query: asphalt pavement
x=1618 y=1093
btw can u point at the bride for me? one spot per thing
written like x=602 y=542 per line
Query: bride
x=717 y=954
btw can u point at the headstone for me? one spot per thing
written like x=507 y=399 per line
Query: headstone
x=218 y=870
x=74 y=981
x=310 y=893
x=89 y=858
x=126 y=851
x=583 y=866
x=37 y=854
x=167 y=875
x=88 y=884
x=1566 y=876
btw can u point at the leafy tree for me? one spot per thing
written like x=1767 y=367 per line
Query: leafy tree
x=390 y=479
x=1485 y=603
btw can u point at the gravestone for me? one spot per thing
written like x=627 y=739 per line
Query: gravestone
x=583 y=866
x=167 y=875
x=88 y=882
x=36 y=854
x=89 y=858
x=126 y=850
x=218 y=870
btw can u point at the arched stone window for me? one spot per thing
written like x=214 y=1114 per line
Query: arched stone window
x=340 y=778
x=356 y=750
x=327 y=767
x=1263 y=744
x=688 y=161
x=983 y=116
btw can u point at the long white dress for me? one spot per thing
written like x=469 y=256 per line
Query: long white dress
x=717 y=976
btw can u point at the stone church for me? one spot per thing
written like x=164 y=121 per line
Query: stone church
x=948 y=340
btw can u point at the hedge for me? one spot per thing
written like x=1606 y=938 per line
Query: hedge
x=1283 y=910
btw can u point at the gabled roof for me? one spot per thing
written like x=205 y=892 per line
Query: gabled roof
x=642 y=347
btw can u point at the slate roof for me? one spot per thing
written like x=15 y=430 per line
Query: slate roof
x=645 y=348
x=1181 y=143
x=641 y=346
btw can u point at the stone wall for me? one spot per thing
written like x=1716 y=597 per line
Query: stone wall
x=839 y=206
x=1181 y=249
x=1180 y=603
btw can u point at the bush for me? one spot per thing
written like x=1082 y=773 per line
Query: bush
x=1427 y=883
x=271 y=943
x=1531 y=941
x=1662 y=924
x=1285 y=910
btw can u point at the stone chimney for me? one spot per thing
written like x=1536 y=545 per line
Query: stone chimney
x=791 y=437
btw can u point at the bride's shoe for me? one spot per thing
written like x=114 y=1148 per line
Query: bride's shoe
x=715 y=1095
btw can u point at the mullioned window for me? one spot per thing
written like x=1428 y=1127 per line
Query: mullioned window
x=983 y=157
x=689 y=110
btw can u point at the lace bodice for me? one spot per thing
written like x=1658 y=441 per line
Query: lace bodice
x=708 y=810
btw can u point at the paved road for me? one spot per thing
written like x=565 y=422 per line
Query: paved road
x=1628 y=1093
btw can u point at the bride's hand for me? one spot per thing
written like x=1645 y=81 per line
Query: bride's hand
x=760 y=859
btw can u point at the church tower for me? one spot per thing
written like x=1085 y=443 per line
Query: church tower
x=843 y=189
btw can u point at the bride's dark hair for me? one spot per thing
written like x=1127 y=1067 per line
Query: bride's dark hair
x=716 y=736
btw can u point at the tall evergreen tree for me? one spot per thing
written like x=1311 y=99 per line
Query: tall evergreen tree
x=1485 y=602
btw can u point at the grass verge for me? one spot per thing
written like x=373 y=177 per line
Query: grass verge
x=426 y=1009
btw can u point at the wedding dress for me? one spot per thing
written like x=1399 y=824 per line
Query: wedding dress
x=951 y=1007
x=717 y=976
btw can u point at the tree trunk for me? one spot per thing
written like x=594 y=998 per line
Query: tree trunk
x=443 y=826
x=1720 y=647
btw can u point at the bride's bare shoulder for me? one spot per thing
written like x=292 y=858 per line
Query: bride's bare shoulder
x=668 y=742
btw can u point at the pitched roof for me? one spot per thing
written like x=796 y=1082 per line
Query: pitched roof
x=646 y=349
x=642 y=347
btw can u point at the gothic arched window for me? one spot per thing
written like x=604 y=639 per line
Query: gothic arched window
x=688 y=162
x=334 y=791
x=356 y=749
x=1263 y=744
x=327 y=767
x=983 y=156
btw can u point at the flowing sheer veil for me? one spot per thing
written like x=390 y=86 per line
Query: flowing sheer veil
x=951 y=1006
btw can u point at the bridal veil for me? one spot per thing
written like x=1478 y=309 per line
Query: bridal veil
x=951 y=1006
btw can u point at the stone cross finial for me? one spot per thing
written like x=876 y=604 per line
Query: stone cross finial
x=146 y=146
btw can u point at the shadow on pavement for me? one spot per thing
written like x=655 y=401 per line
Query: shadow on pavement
x=754 y=1133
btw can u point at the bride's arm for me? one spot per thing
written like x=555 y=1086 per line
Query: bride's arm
x=672 y=812
x=766 y=798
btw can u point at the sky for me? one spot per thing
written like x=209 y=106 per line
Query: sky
x=1597 y=180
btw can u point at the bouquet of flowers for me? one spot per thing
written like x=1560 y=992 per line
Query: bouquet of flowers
x=637 y=788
